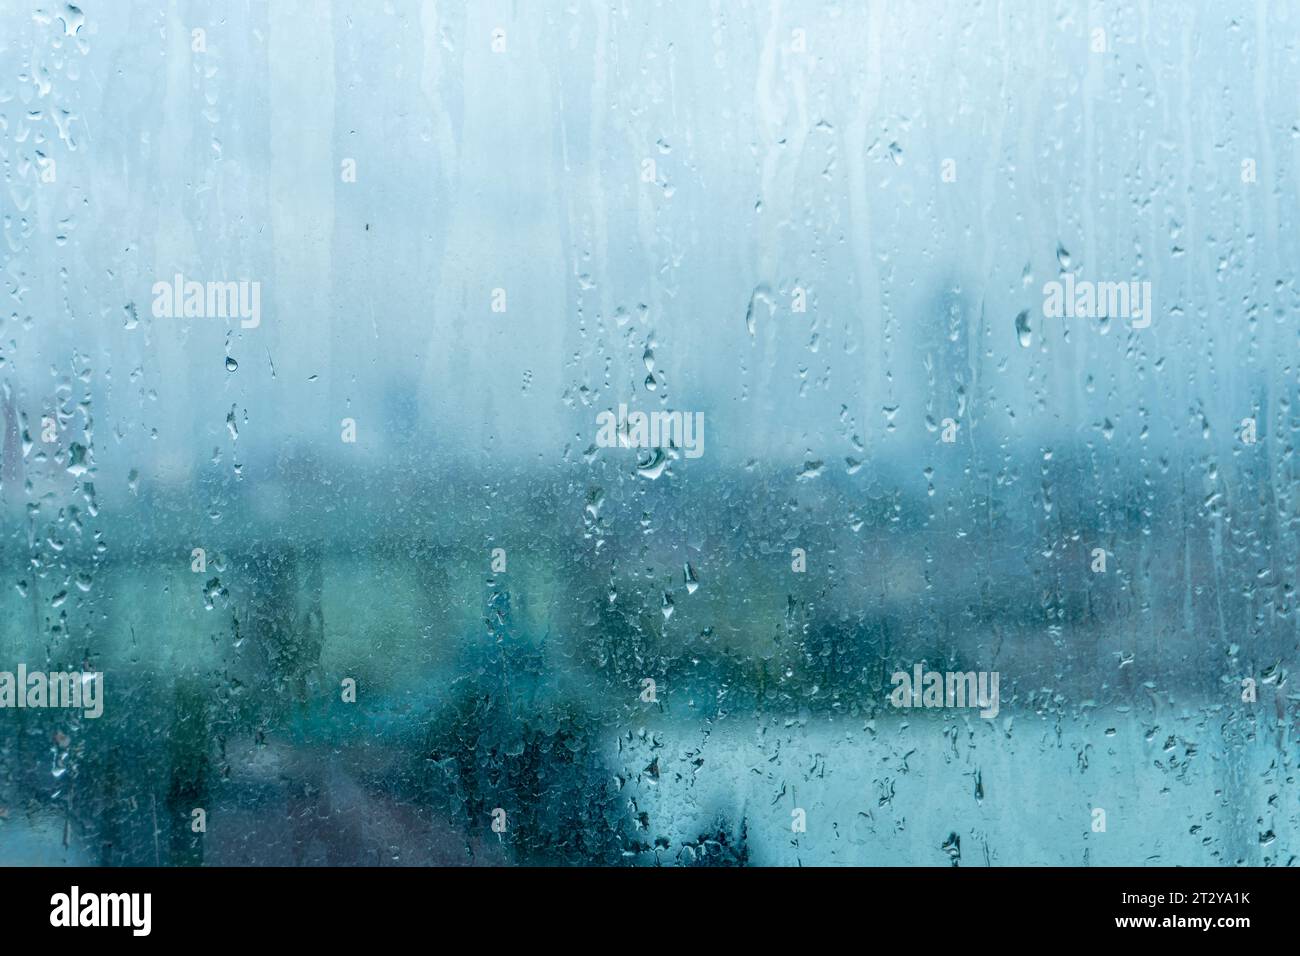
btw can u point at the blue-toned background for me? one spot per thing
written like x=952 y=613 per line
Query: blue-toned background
x=475 y=226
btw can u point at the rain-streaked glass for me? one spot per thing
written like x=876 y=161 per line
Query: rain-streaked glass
x=514 y=433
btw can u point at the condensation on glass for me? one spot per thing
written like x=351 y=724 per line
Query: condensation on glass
x=648 y=433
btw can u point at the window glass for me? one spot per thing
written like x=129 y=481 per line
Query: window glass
x=702 y=434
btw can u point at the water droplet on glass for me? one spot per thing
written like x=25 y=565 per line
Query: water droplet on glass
x=76 y=459
x=1023 y=334
x=1063 y=257
x=653 y=468
x=762 y=294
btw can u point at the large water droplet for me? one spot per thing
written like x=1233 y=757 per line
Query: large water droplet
x=76 y=459
x=653 y=468
x=1023 y=333
x=1063 y=257
x=761 y=294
